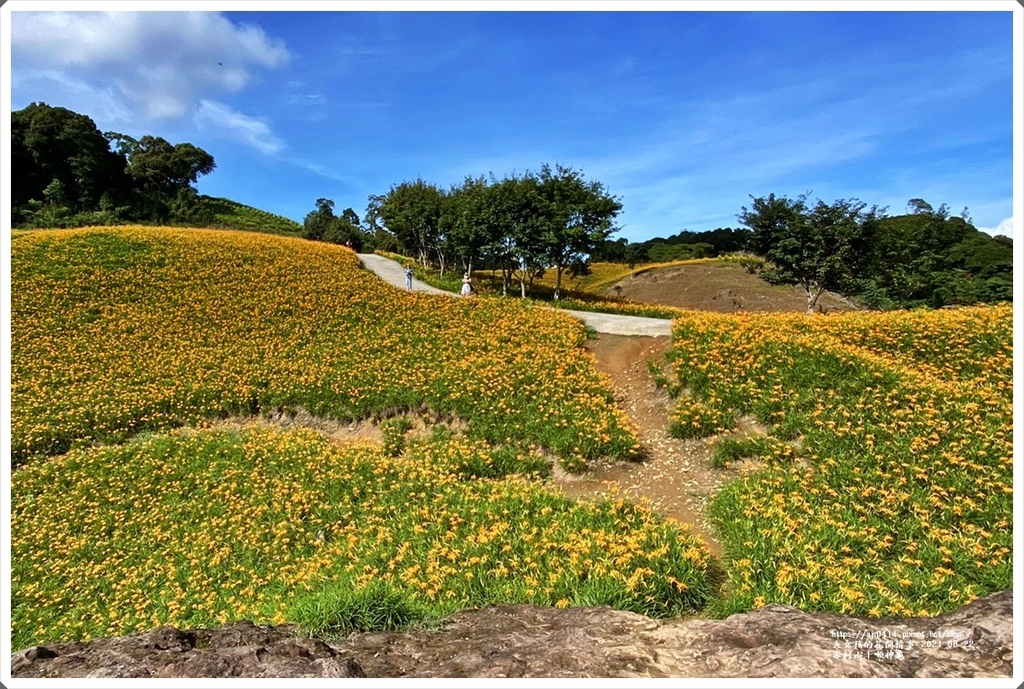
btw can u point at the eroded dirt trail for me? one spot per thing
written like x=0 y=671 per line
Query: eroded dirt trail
x=677 y=477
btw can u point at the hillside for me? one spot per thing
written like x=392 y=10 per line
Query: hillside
x=713 y=285
x=231 y=215
x=212 y=425
x=170 y=388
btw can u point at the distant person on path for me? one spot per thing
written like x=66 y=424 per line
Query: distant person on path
x=408 y=278
x=467 y=286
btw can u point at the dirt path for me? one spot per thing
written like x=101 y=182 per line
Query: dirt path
x=677 y=476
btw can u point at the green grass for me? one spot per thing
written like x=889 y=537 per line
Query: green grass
x=200 y=527
x=231 y=215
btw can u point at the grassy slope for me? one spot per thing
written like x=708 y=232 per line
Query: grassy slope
x=120 y=334
x=662 y=290
x=230 y=214
x=117 y=331
x=884 y=486
x=722 y=286
x=604 y=275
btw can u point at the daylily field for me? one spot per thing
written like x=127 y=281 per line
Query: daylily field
x=884 y=484
x=882 y=487
x=120 y=523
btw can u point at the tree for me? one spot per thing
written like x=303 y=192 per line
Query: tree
x=472 y=219
x=186 y=207
x=576 y=217
x=611 y=251
x=381 y=237
x=351 y=217
x=347 y=229
x=50 y=145
x=322 y=225
x=820 y=248
x=635 y=253
x=411 y=211
x=518 y=248
x=318 y=223
x=160 y=170
x=915 y=255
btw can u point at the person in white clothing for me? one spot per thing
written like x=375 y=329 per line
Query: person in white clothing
x=467 y=286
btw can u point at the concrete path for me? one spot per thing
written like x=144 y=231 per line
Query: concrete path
x=393 y=273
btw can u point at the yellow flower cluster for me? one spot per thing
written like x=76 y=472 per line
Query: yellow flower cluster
x=887 y=487
x=118 y=330
x=120 y=334
x=199 y=527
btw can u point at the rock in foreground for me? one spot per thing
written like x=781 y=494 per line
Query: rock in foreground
x=529 y=641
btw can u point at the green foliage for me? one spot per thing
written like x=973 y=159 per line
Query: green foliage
x=728 y=449
x=663 y=253
x=469 y=223
x=337 y=610
x=686 y=245
x=60 y=158
x=927 y=258
x=634 y=254
x=412 y=212
x=818 y=248
x=394 y=430
x=923 y=258
x=519 y=250
x=162 y=176
x=323 y=226
x=577 y=217
x=188 y=209
x=662 y=381
x=523 y=225
x=65 y=173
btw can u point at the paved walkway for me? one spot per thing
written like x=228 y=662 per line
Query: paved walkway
x=393 y=273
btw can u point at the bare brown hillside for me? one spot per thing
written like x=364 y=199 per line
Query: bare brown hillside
x=718 y=286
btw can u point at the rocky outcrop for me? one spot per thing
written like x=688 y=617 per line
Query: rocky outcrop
x=241 y=649
x=529 y=641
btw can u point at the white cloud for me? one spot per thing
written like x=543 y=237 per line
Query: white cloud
x=1004 y=228
x=159 y=63
x=252 y=131
x=103 y=103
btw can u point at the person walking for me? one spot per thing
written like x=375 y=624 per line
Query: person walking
x=467 y=285
x=408 y=278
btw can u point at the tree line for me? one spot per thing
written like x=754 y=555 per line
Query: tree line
x=67 y=173
x=520 y=225
x=557 y=220
x=924 y=257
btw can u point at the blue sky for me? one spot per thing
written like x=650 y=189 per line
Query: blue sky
x=682 y=114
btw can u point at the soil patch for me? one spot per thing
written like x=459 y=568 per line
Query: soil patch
x=676 y=477
x=344 y=431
